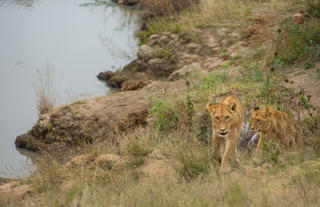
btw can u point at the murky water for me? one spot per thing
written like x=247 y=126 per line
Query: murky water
x=74 y=39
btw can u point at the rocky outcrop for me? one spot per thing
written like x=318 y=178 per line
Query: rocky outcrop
x=92 y=121
x=28 y=141
x=161 y=58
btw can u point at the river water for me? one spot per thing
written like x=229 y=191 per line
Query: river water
x=70 y=40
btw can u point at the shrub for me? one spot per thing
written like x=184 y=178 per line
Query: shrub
x=165 y=116
x=298 y=42
x=270 y=152
x=189 y=159
x=314 y=7
x=137 y=146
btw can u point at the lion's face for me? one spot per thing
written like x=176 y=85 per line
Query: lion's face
x=260 y=120
x=222 y=118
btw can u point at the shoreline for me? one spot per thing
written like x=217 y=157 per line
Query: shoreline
x=156 y=128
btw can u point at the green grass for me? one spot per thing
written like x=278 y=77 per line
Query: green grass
x=298 y=42
x=167 y=54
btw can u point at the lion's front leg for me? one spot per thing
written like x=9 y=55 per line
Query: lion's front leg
x=229 y=154
x=215 y=148
x=261 y=138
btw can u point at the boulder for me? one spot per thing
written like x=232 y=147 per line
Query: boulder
x=105 y=75
x=193 y=47
x=133 y=85
x=164 y=40
x=27 y=141
x=184 y=71
x=117 y=80
x=145 y=52
x=155 y=61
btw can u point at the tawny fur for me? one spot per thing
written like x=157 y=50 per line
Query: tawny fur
x=278 y=126
x=227 y=119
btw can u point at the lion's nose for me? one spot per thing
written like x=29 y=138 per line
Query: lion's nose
x=222 y=130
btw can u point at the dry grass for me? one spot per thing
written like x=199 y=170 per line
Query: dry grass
x=277 y=179
x=166 y=7
x=45 y=91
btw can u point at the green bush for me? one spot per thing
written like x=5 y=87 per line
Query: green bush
x=314 y=7
x=165 y=116
x=298 y=42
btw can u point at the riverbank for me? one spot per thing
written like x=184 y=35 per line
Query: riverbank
x=114 y=150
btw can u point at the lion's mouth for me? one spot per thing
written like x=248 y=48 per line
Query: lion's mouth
x=223 y=133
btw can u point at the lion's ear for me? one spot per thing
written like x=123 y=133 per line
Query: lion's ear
x=233 y=107
x=256 y=108
x=210 y=107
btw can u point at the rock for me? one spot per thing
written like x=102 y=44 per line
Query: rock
x=186 y=59
x=106 y=75
x=174 y=37
x=193 y=47
x=185 y=71
x=101 y=76
x=80 y=160
x=173 y=44
x=27 y=141
x=153 y=40
x=161 y=70
x=44 y=121
x=133 y=85
x=117 y=80
x=153 y=37
x=211 y=63
x=145 y=52
x=156 y=61
x=164 y=40
x=107 y=160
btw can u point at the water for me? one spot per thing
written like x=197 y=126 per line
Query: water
x=73 y=38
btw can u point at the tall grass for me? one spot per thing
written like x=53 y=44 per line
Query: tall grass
x=166 y=7
x=45 y=92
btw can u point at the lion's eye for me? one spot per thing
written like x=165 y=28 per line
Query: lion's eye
x=227 y=117
x=217 y=118
x=258 y=120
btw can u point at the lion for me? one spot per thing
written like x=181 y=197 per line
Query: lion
x=227 y=119
x=277 y=126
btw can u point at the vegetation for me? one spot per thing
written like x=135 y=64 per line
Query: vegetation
x=166 y=7
x=170 y=159
x=46 y=93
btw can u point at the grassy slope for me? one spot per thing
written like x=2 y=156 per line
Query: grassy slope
x=158 y=167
